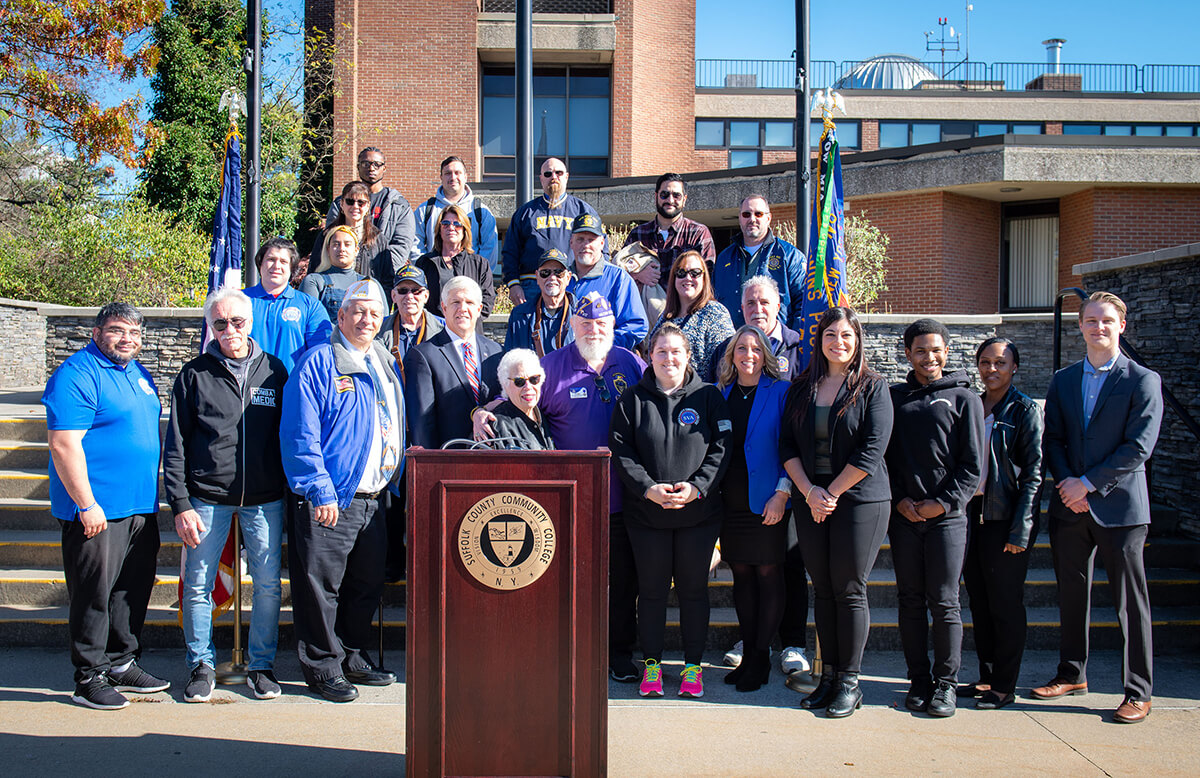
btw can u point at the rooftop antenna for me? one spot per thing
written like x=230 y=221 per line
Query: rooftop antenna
x=942 y=43
x=967 y=34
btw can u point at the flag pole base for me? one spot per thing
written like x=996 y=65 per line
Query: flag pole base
x=231 y=673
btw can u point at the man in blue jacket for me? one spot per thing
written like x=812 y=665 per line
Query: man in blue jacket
x=593 y=273
x=343 y=444
x=757 y=252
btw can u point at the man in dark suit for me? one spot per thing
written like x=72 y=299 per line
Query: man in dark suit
x=453 y=372
x=1102 y=420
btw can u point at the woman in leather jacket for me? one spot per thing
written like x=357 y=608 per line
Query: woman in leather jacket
x=1003 y=524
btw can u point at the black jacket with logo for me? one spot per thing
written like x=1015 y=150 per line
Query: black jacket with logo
x=659 y=438
x=222 y=442
x=936 y=450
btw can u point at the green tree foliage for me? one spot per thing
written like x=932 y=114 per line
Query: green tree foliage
x=201 y=43
x=866 y=258
x=91 y=251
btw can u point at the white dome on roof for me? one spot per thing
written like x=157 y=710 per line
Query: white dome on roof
x=886 y=71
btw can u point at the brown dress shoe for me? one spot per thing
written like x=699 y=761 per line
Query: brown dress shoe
x=1132 y=711
x=1059 y=687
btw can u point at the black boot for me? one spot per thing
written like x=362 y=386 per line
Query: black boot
x=824 y=693
x=758 y=671
x=734 y=675
x=848 y=698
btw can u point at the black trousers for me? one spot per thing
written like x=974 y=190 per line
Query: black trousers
x=109 y=580
x=928 y=557
x=995 y=583
x=839 y=554
x=793 y=629
x=337 y=578
x=622 y=593
x=1073 y=546
x=682 y=554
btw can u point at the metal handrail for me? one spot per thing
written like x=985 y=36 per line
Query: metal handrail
x=1127 y=348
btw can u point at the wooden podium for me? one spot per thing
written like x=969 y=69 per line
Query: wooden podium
x=507 y=613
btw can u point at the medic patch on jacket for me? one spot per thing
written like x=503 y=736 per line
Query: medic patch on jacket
x=688 y=416
x=290 y=314
x=343 y=383
x=262 y=395
x=579 y=393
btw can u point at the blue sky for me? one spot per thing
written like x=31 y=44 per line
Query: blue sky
x=1147 y=32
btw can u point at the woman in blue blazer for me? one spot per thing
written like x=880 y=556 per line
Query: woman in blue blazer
x=755 y=492
x=837 y=423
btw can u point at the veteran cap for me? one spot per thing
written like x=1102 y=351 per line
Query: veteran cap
x=554 y=255
x=367 y=290
x=587 y=222
x=411 y=273
x=594 y=306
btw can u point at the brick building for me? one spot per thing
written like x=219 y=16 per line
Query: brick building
x=991 y=181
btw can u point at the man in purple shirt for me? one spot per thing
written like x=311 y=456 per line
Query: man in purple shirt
x=583 y=381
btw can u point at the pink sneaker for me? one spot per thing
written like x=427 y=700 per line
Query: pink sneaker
x=651 y=685
x=692 y=682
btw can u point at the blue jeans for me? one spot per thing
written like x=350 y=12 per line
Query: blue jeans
x=262 y=535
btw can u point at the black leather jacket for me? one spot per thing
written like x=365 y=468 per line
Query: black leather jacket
x=1014 y=475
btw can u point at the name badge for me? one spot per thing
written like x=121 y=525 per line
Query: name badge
x=579 y=393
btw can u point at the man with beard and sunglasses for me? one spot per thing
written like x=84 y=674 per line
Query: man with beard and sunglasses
x=543 y=324
x=583 y=382
x=670 y=233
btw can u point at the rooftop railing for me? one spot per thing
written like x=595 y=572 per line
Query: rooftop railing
x=971 y=76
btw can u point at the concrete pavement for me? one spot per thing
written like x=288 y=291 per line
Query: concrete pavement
x=725 y=734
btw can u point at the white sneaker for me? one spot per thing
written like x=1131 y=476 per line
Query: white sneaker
x=793 y=660
x=733 y=657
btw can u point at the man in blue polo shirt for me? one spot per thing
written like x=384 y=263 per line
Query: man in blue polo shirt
x=102 y=415
x=286 y=323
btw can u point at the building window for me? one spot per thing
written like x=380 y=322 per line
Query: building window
x=572 y=113
x=746 y=139
x=894 y=135
x=1030 y=256
x=1141 y=130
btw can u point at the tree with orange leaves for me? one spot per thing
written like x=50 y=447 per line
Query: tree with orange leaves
x=58 y=57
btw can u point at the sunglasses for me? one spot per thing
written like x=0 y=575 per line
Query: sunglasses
x=685 y=273
x=602 y=388
x=414 y=290
x=451 y=223
x=371 y=164
x=553 y=173
x=670 y=195
x=520 y=381
x=755 y=214
x=237 y=321
x=559 y=273
x=352 y=201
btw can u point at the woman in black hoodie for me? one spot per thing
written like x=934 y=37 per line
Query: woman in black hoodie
x=935 y=459
x=668 y=440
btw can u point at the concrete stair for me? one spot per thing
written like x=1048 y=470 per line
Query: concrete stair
x=33 y=596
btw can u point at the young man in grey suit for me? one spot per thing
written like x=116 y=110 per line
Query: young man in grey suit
x=1102 y=420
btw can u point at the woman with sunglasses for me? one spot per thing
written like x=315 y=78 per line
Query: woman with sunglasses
x=336 y=272
x=836 y=425
x=519 y=423
x=693 y=308
x=452 y=256
x=373 y=259
x=668 y=441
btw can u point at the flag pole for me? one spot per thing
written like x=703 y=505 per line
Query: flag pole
x=234 y=671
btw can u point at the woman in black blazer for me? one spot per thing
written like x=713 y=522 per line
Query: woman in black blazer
x=836 y=426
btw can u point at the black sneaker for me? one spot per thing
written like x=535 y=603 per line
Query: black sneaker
x=98 y=694
x=336 y=689
x=200 y=685
x=918 y=694
x=943 y=702
x=263 y=684
x=371 y=676
x=135 y=679
x=624 y=671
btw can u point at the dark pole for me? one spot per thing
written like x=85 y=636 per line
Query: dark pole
x=252 y=62
x=803 y=127
x=524 y=101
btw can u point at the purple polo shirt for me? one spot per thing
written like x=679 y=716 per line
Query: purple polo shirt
x=574 y=406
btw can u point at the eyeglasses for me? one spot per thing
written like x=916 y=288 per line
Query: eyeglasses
x=557 y=273
x=670 y=195
x=520 y=381
x=755 y=214
x=407 y=290
x=371 y=164
x=352 y=201
x=685 y=273
x=553 y=173
x=452 y=223
x=121 y=332
x=602 y=388
x=237 y=321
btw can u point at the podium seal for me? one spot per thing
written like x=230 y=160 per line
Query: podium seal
x=506 y=540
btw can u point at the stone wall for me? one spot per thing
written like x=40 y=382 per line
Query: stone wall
x=23 y=330
x=1162 y=290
